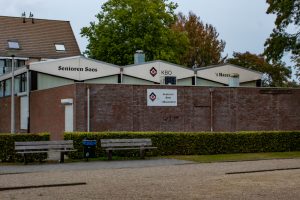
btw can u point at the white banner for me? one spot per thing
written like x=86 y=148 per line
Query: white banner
x=160 y=97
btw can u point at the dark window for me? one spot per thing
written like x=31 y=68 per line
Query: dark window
x=34 y=81
x=170 y=80
x=22 y=83
x=194 y=80
x=119 y=78
x=2 y=66
x=258 y=83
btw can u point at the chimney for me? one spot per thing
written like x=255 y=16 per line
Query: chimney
x=24 y=17
x=139 y=57
x=31 y=16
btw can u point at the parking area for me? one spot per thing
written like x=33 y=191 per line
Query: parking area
x=153 y=179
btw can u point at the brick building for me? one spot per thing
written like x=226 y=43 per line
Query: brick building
x=68 y=92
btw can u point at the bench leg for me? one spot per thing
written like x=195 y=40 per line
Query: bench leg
x=142 y=153
x=62 y=157
x=109 y=154
x=25 y=160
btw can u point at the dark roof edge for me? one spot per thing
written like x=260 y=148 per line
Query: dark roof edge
x=35 y=18
x=154 y=61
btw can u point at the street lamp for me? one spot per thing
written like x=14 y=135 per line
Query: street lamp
x=13 y=124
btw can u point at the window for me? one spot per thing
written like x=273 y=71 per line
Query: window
x=170 y=80
x=60 y=47
x=13 y=45
x=2 y=65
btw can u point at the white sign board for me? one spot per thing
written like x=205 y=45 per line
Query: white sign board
x=161 y=97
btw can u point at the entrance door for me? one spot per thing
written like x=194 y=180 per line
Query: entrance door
x=24 y=112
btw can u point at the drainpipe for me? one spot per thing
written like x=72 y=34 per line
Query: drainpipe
x=88 y=109
x=121 y=74
x=211 y=110
x=28 y=98
x=12 y=102
x=195 y=77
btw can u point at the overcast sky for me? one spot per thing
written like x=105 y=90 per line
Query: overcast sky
x=243 y=24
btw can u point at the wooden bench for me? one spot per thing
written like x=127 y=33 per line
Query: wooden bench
x=126 y=144
x=32 y=147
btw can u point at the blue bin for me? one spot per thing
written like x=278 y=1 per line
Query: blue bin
x=89 y=148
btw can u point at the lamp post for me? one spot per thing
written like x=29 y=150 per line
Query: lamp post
x=13 y=124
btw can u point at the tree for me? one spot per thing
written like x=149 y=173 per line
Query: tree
x=129 y=25
x=286 y=34
x=275 y=75
x=204 y=46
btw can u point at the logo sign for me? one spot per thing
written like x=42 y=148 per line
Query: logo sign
x=152 y=96
x=161 y=97
x=153 y=71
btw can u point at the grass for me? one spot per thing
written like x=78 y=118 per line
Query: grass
x=236 y=157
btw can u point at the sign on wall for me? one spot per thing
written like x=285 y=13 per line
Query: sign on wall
x=161 y=97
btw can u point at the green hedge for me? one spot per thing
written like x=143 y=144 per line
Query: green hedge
x=7 y=151
x=170 y=143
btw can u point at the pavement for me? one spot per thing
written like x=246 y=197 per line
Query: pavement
x=94 y=165
x=152 y=179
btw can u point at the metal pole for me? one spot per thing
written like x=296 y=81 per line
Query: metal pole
x=211 y=110
x=28 y=99
x=88 y=109
x=13 y=128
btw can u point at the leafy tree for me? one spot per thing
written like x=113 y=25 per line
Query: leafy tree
x=205 y=48
x=286 y=35
x=275 y=75
x=129 y=25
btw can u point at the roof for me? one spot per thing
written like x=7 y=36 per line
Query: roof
x=221 y=65
x=38 y=39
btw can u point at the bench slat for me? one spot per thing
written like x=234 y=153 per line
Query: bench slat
x=44 y=147
x=128 y=148
x=63 y=142
x=125 y=140
x=24 y=152
x=125 y=144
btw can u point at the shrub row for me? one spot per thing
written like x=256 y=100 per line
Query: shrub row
x=7 y=151
x=170 y=143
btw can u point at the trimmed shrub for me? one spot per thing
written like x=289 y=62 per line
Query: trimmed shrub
x=175 y=143
x=7 y=145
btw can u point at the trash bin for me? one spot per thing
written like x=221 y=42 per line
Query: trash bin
x=89 y=149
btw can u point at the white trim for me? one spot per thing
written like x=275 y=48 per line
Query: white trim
x=17 y=72
x=16 y=58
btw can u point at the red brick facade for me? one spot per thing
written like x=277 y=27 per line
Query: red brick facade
x=124 y=108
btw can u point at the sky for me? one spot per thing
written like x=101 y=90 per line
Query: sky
x=242 y=24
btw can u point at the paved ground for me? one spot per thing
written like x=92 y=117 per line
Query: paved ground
x=154 y=179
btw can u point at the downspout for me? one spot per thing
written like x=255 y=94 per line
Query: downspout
x=88 y=109
x=12 y=102
x=121 y=74
x=211 y=110
x=28 y=98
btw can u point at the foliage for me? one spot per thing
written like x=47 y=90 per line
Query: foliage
x=129 y=25
x=286 y=34
x=275 y=75
x=204 y=46
x=175 y=143
x=7 y=152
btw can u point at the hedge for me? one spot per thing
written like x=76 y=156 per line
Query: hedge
x=168 y=143
x=174 y=143
x=7 y=152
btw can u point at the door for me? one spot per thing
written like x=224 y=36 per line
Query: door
x=24 y=112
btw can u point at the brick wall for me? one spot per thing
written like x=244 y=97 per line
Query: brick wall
x=124 y=108
x=5 y=111
x=47 y=114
